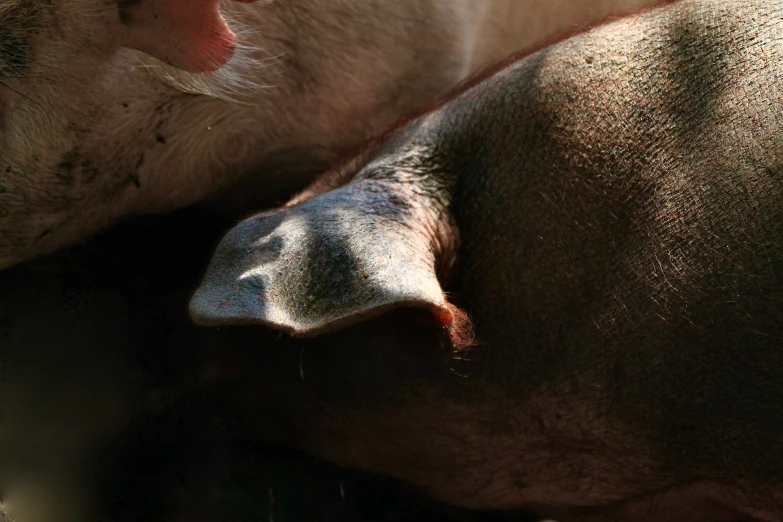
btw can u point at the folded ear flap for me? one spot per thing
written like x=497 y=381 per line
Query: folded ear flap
x=327 y=263
x=187 y=34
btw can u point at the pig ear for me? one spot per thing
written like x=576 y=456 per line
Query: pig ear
x=324 y=264
x=187 y=34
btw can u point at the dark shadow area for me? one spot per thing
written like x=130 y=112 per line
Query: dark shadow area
x=101 y=331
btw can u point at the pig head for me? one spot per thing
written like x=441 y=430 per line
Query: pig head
x=609 y=213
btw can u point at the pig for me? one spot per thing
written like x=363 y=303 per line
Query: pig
x=110 y=109
x=559 y=289
x=92 y=340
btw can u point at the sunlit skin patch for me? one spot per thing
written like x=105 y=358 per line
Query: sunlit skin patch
x=188 y=34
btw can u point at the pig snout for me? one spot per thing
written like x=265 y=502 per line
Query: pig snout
x=187 y=34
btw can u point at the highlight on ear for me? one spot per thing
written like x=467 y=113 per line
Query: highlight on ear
x=188 y=34
x=323 y=265
x=457 y=325
x=460 y=329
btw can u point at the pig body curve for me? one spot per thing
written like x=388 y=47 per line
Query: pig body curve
x=609 y=212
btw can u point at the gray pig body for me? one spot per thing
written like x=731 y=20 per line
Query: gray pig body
x=609 y=212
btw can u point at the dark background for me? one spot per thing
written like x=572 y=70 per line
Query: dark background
x=108 y=317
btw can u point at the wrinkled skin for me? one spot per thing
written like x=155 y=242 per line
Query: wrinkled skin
x=113 y=108
x=609 y=212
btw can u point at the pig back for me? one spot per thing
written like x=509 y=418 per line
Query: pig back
x=617 y=199
x=621 y=218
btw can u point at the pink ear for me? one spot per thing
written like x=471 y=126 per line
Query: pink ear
x=188 y=34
